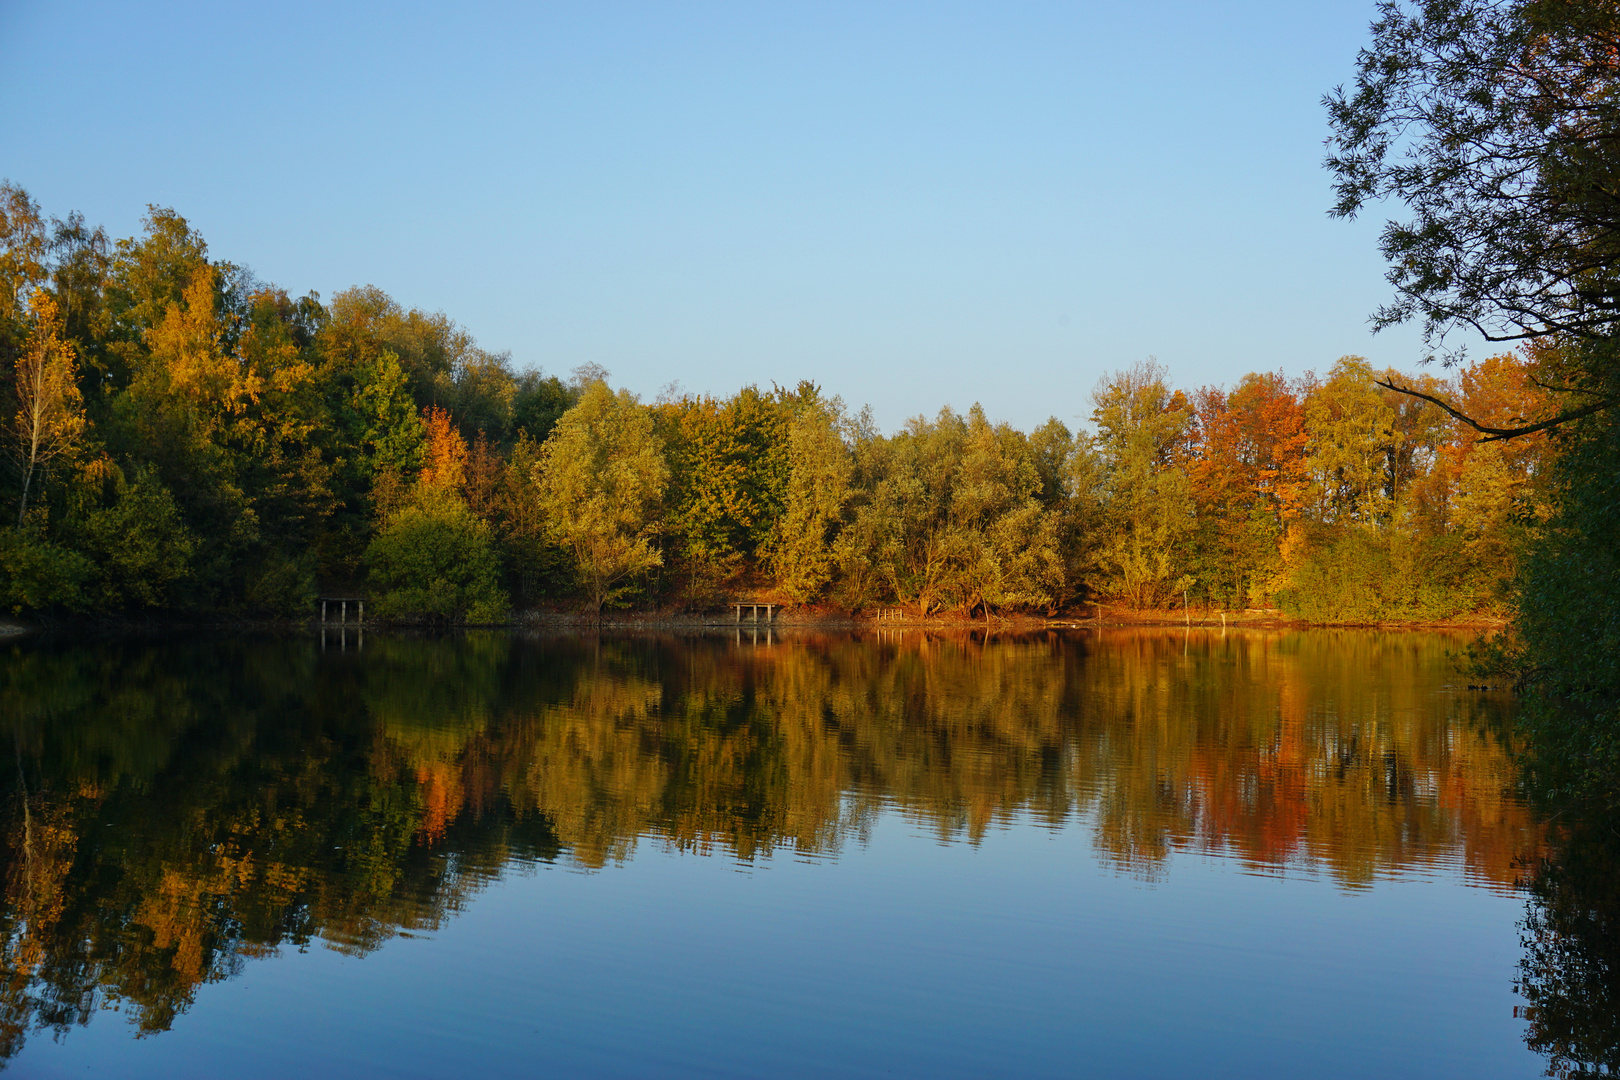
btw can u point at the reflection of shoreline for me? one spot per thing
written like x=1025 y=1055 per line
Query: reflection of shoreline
x=207 y=802
x=792 y=621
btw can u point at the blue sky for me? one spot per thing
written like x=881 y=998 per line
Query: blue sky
x=912 y=204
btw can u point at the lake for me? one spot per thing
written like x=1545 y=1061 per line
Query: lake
x=1134 y=853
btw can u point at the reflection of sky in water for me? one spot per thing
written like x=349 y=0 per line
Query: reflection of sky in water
x=1164 y=854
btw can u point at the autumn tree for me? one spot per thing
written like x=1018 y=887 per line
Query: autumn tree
x=800 y=551
x=1249 y=480
x=1351 y=431
x=600 y=480
x=24 y=249
x=50 y=416
x=1147 y=505
x=433 y=559
x=1487 y=485
x=1006 y=538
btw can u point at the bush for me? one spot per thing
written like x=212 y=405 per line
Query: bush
x=1355 y=575
x=138 y=543
x=37 y=576
x=435 y=562
x=281 y=584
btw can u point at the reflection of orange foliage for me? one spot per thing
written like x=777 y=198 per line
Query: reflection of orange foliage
x=1319 y=750
x=442 y=797
x=171 y=913
x=1344 y=760
x=1339 y=752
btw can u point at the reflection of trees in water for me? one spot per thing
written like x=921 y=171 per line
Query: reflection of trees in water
x=182 y=807
x=1337 y=750
x=1570 y=972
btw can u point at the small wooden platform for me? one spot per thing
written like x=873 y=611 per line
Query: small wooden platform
x=755 y=609
x=343 y=603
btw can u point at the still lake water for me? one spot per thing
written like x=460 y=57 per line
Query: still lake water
x=1139 y=854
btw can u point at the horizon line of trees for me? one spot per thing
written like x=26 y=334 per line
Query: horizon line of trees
x=186 y=438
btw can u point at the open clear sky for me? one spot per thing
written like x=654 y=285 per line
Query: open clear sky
x=912 y=204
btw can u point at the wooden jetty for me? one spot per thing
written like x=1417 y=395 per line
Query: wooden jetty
x=754 y=610
x=343 y=603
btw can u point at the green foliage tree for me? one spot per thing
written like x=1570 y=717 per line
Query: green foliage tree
x=538 y=403
x=441 y=361
x=950 y=515
x=1489 y=122
x=37 y=575
x=801 y=552
x=600 y=479
x=133 y=533
x=1147 y=507
x=433 y=560
x=728 y=476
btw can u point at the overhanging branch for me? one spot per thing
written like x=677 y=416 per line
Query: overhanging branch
x=1496 y=434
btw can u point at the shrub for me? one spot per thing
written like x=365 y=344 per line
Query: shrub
x=1355 y=575
x=435 y=562
x=36 y=575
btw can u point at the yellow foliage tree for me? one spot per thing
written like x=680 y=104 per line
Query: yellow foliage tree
x=1146 y=516
x=50 y=413
x=600 y=479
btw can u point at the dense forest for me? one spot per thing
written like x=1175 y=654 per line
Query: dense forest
x=187 y=439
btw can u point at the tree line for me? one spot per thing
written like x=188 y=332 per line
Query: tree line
x=186 y=438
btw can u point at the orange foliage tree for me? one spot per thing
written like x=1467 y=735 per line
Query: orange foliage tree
x=1249 y=479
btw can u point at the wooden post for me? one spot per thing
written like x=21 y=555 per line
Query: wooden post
x=323 y=611
x=343 y=617
x=1185 y=611
x=361 y=618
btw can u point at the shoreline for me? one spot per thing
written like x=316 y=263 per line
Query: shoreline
x=664 y=622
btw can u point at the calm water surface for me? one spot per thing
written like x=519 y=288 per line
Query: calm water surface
x=1153 y=854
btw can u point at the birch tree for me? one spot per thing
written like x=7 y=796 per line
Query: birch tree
x=50 y=413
